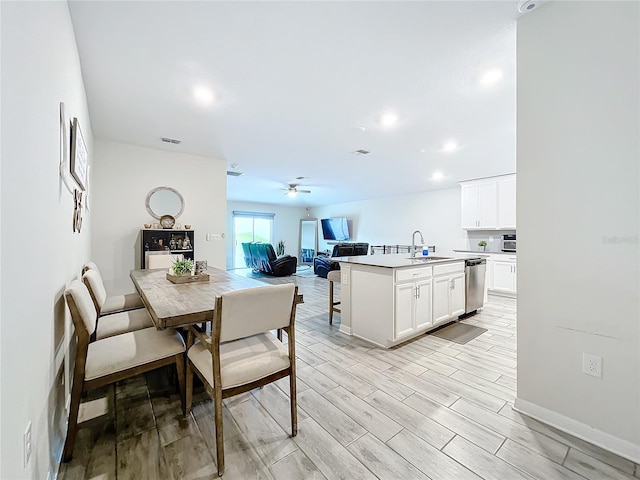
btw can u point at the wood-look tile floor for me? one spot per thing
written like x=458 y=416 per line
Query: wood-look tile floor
x=427 y=409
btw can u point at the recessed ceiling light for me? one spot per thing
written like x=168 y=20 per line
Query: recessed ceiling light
x=362 y=127
x=204 y=95
x=423 y=150
x=389 y=119
x=437 y=175
x=491 y=77
x=449 y=146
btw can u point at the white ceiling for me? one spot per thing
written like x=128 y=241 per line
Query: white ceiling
x=294 y=82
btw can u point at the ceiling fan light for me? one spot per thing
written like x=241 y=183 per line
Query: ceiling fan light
x=292 y=193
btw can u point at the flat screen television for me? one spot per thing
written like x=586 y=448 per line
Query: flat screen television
x=335 y=229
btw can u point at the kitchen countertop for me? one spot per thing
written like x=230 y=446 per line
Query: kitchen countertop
x=399 y=260
x=486 y=253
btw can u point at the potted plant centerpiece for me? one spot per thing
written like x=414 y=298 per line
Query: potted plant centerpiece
x=182 y=272
x=181 y=267
x=482 y=244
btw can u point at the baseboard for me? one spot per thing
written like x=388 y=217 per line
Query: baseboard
x=620 y=447
x=345 y=330
x=499 y=293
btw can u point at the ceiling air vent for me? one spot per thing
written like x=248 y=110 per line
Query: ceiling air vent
x=362 y=151
x=233 y=174
x=171 y=140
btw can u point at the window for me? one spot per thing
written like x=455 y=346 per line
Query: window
x=250 y=227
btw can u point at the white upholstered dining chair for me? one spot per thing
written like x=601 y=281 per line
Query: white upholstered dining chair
x=112 y=324
x=101 y=362
x=161 y=259
x=242 y=353
x=110 y=303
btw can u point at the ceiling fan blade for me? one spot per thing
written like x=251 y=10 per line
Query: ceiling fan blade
x=304 y=191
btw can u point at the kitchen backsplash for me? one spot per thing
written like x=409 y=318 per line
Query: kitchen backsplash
x=493 y=239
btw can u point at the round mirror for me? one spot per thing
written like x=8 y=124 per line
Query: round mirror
x=164 y=201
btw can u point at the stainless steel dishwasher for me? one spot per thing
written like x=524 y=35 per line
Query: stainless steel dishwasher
x=475 y=271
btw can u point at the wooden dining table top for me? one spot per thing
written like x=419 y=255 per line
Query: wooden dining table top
x=172 y=304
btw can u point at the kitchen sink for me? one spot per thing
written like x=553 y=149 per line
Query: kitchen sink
x=426 y=259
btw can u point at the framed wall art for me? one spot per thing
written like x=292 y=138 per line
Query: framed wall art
x=79 y=155
x=64 y=169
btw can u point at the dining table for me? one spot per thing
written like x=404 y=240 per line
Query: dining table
x=180 y=304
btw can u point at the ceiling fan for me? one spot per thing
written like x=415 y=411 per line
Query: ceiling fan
x=293 y=190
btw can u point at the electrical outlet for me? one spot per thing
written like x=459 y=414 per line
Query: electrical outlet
x=27 y=445
x=592 y=365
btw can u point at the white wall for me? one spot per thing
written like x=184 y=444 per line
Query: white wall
x=286 y=226
x=391 y=221
x=578 y=218
x=39 y=252
x=123 y=175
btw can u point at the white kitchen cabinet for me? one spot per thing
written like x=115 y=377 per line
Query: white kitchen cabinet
x=412 y=304
x=489 y=203
x=479 y=205
x=504 y=274
x=507 y=202
x=448 y=292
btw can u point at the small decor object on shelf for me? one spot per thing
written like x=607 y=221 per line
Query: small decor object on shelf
x=280 y=247
x=167 y=221
x=147 y=225
x=482 y=244
x=186 y=243
x=187 y=226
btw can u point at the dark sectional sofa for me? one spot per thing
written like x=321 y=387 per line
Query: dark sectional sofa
x=322 y=265
x=262 y=258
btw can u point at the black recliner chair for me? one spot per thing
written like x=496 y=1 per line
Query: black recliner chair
x=262 y=258
x=322 y=265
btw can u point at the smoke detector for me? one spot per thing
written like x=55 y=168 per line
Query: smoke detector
x=529 y=5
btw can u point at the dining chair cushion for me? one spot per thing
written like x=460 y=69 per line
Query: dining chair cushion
x=242 y=361
x=84 y=304
x=123 y=322
x=129 y=350
x=90 y=266
x=254 y=310
x=121 y=303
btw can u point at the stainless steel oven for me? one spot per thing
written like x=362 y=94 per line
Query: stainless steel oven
x=509 y=243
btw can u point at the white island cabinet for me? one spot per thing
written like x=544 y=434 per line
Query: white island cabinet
x=389 y=299
x=448 y=291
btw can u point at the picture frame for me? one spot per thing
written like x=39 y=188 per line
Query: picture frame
x=79 y=155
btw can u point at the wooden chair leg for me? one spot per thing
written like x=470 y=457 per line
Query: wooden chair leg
x=294 y=403
x=76 y=393
x=330 y=302
x=217 y=413
x=188 y=390
x=181 y=381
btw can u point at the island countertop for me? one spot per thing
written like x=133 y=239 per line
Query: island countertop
x=399 y=260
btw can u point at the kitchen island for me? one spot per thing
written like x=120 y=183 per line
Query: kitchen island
x=389 y=299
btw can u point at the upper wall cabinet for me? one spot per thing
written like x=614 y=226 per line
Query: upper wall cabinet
x=489 y=203
x=507 y=202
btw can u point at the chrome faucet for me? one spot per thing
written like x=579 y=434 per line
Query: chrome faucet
x=413 y=242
